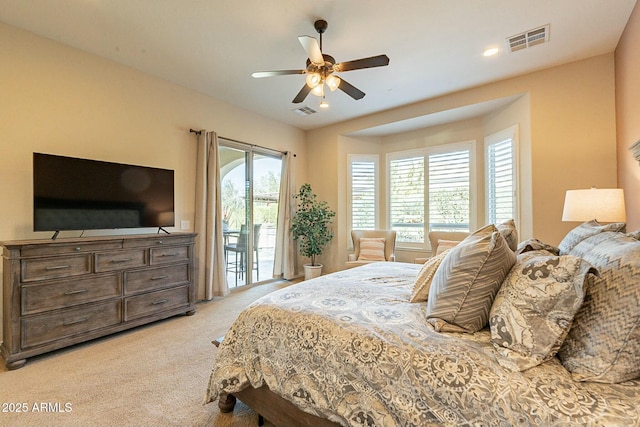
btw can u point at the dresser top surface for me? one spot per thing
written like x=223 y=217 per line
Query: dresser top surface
x=10 y=244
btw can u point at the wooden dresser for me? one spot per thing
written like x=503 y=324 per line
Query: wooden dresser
x=62 y=292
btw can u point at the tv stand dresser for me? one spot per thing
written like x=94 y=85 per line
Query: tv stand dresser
x=62 y=292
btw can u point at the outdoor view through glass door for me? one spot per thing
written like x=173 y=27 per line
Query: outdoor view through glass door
x=250 y=180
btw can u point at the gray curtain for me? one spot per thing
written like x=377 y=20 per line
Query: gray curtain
x=285 y=260
x=209 y=249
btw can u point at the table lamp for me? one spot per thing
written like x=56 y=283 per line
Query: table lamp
x=601 y=204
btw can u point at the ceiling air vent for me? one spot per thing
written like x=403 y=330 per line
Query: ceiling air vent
x=529 y=38
x=304 y=111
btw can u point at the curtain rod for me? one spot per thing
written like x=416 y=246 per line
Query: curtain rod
x=199 y=132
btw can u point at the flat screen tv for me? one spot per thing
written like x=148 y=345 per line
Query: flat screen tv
x=81 y=194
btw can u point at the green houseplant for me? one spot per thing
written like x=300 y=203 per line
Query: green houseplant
x=310 y=225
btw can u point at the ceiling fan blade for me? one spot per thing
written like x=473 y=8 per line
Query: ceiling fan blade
x=260 y=74
x=357 y=64
x=302 y=94
x=312 y=48
x=350 y=90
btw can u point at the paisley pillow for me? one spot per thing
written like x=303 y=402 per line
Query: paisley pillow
x=534 y=309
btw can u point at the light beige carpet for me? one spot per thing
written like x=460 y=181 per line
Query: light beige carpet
x=155 y=375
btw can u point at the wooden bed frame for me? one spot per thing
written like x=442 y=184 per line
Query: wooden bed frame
x=271 y=406
x=279 y=411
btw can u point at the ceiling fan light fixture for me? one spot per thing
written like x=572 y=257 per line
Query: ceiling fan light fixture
x=318 y=90
x=324 y=104
x=313 y=80
x=333 y=82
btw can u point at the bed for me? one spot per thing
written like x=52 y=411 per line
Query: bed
x=350 y=349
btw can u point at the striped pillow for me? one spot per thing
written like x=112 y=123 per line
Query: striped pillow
x=371 y=249
x=465 y=284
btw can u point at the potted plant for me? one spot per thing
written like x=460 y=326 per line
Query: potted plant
x=310 y=227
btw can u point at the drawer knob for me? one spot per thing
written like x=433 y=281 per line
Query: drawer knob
x=77 y=291
x=77 y=249
x=74 y=322
x=160 y=301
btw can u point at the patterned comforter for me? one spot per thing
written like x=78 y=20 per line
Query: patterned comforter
x=350 y=347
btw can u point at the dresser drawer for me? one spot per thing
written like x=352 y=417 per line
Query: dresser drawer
x=37 y=298
x=155 y=278
x=56 y=248
x=110 y=261
x=155 y=302
x=164 y=255
x=159 y=241
x=55 y=267
x=44 y=328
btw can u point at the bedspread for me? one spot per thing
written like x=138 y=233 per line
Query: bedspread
x=350 y=347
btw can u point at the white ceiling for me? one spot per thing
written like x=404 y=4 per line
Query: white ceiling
x=435 y=46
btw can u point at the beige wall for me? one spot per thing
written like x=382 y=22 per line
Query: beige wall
x=59 y=100
x=628 y=115
x=570 y=133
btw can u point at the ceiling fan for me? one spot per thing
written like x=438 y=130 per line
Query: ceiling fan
x=321 y=68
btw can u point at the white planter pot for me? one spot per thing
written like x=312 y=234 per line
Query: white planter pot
x=311 y=271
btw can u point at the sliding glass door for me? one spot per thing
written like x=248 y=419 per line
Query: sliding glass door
x=250 y=179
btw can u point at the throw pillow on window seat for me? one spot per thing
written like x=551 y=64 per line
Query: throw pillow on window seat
x=372 y=249
x=445 y=245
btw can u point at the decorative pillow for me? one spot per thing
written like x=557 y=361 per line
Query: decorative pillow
x=467 y=280
x=534 y=308
x=371 y=249
x=423 y=282
x=634 y=234
x=603 y=344
x=536 y=245
x=444 y=245
x=509 y=232
x=585 y=230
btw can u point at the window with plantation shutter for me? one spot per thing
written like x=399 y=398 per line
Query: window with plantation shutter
x=363 y=175
x=449 y=190
x=430 y=190
x=406 y=198
x=501 y=176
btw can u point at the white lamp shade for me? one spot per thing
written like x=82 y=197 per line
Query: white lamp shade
x=601 y=204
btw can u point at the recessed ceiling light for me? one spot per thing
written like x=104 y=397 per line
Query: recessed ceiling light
x=491 y=51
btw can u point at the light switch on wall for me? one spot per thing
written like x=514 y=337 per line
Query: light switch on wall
x=185 y=224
